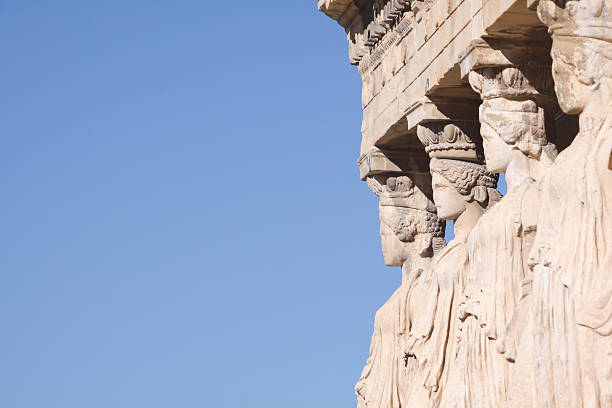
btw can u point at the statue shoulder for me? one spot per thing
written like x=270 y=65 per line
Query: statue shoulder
x=518 y=210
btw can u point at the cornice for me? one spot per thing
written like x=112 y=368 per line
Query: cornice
x=342 y=11
x=367 y=22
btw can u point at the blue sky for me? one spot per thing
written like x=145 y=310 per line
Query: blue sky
x=183 y=224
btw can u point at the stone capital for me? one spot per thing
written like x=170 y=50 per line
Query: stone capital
x=427 y=110
x=458 y=140
x=495 y=53
x=499 y=69
x=381 y=161
x=515 y=83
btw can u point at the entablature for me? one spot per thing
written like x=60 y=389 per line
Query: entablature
x=410 y=53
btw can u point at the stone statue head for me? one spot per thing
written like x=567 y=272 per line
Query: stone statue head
x=406 y=232
x=409 y=226
x=581 y=50
x=456 y=183
x=459 y=176
x=511 y=119
x=508 y=125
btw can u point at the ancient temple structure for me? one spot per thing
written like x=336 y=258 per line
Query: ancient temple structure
x=515 y=311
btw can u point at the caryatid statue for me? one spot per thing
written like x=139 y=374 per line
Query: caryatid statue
x=513 y=119
x=463 y=190
x=572 y=252
x=411 y=234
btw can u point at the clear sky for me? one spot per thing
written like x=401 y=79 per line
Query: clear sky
x=183 y=223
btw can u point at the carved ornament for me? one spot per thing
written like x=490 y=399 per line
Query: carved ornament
x=458 y=140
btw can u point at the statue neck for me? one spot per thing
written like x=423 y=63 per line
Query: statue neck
x=598 y=108
x=521 y=167
x=468 y=219
x=411 y=267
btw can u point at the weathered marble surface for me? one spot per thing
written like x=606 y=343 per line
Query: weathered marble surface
x=516 y=310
